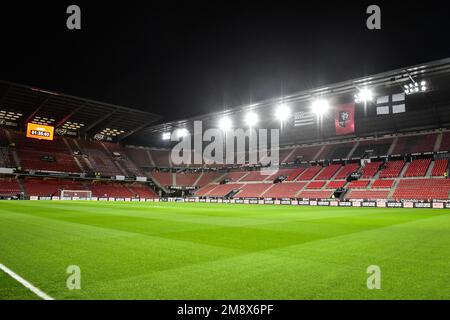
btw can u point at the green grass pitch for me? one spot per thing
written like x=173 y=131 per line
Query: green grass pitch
x=218 y=251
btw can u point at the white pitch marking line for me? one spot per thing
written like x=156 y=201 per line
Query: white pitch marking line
x=25 y=283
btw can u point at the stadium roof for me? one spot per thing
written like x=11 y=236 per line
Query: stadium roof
x=24 y=104
x=390 y=79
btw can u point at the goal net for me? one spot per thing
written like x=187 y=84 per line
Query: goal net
x=76 y=194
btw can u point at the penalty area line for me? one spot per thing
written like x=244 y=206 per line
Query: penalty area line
x=25 y=283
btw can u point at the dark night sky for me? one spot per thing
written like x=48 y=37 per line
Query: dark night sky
x=180 y=59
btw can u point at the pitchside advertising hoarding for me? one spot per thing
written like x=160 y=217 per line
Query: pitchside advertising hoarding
x=41 y=132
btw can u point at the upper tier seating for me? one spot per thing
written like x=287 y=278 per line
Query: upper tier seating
x=418 y=168
x=392 y=169
x=98 y=157
x=415 y=144
x=382 y=184
x=160 y=158
x=139 y=156
x=371 y=148
x=163 y=178
x=123 y=160
x=323 y=194
x=304 y=153
x=347 y=170
x=422 y=189
x=222 y=190
x=359 y=184
x=186 y=179
x=253 y=190
x=369 y=170
x=9 y=187
x=335 y=184
x=315 y=185
x=284 y=190
x=440 y=167
x=328 y=172
x=44 y=155
x=6 y=158
x=368 y=194
x=336 y=151
x=445 y=143
x=309 y=173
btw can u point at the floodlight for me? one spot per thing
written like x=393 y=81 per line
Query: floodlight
x=364 y=95
x=166 y=136
x=320 y=106
x=225 y=124
x=182 y=133
x=251 y=119
x=282 y=112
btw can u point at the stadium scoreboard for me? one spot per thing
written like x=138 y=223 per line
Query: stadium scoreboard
x=41 y=132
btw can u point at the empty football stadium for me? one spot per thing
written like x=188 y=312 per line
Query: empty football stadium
x=360 y=181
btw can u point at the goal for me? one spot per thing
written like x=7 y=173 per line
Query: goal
x=76 y=194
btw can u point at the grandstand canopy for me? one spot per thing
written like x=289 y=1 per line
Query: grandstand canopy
x=21 y=104
x=427 y=110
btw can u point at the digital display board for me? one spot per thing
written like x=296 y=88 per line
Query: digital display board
x=38 y=131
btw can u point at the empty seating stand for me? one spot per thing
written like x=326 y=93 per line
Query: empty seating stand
x=9 y=187
x=284 y=190
x=315 y=185
x=418 y=168
x=328 y=172
x=208 y=177
x=253 y=190
x=369 y=170
x=359 y=184
x=309 y=173
x=415 y=144
x=371 y=148
x=319 y=194
x=163 y=178
x=382 y=184
x=392 y=169
x=423 y=189
x=346 y=170
x=440 y=167
x=222 y=190
x=335 y=184
x=186 y=179
x=368 y=194
x=304 y=153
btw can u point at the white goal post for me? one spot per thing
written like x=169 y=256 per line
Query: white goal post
x=77 y=194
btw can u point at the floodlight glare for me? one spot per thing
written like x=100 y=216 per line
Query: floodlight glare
x=166 y=136
x=251 y=119
x=225 y=124
x=364 y=95
x=182 y=133
x=320 y=106
x=282 y=112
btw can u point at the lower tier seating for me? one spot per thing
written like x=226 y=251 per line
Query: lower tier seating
x=368 y=194
x=440 y=167
x=423 y=189
x=316 y=194
x=284 y=190
x=418 y=168
x=254 y=190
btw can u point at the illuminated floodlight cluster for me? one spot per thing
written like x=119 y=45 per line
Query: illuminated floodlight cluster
x=415 y=87
x=320 y=107
x=251 y=119
x=225 y=124
x=363 y=96
x=282 y=112
x=112 y=132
